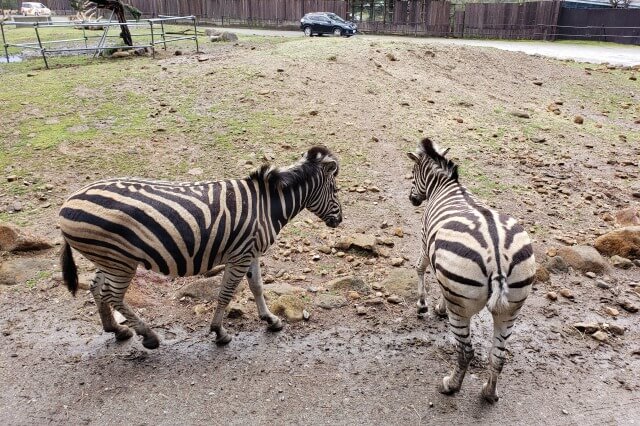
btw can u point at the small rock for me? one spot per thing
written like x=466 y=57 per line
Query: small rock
x=578 y=119
x=616 y=329
x=305 y=315
x=398 y=232
x=587 y=327
x=565 y=292
x=600 y=336
x=330 y=301
x=235 y=310
x=628 y=306
x=611 y=311
x=200 y=309
x=621 y=262
x=374 y=301
x=361 y=310
x=12 y=178
x=591 y=274
x=552 y=295
x=17 y=206
x=394 y=298
x=542 y=275
x=602 y=284
x=396 y=261
x=353 y=295
x=520 y=114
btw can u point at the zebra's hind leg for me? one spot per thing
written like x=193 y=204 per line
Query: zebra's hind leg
x=109 y=324
x=233 y=274
x=460 y=327
x=421 y=267
x=502 y=325
x=254 y=276
x=113 y=290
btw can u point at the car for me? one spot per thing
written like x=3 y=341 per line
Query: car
x=34 y=9
x=326 y=23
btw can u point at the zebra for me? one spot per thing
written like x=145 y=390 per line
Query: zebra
x=185 y=229
x=479 y=257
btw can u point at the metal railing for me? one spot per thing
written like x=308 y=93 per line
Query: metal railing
x=155 y=31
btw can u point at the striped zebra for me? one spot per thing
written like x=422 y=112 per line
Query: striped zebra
x=184 y=229
x=479 y=257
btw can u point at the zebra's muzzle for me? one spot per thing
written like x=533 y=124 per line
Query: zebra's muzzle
x=333 y=221
x=416 y=200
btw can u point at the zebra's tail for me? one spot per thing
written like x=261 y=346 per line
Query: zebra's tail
x=69 y=269
x=498 y=300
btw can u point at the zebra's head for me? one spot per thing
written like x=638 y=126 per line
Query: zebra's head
x=429 y=164
x=324 y=201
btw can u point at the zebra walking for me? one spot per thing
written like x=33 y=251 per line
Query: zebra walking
x=183 y=229
x=479 y=257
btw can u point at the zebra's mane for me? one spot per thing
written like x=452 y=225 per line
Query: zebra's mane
x=431 y=150
x=299 y=172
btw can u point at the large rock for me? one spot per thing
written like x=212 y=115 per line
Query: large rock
x=224 y=36
x=404 y=282
x=556 y=265
x=14 y=239
x=628 y=217
x=23 y=269
x=357 y=241
x=290 y=306
x=584 y=259
x=623 y=242
x=348 y=283
x=330 y=301
x=202 y=289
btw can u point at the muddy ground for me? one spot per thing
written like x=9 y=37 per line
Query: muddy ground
x=219 y=113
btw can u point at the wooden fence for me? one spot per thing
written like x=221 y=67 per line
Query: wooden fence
x=545 y=20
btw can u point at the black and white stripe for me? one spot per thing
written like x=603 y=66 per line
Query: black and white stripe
x=479 y=256
x=183 y=229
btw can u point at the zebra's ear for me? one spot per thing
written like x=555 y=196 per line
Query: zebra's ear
x=413 y=157
x=330 y=166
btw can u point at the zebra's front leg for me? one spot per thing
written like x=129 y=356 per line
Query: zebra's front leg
x=501 y=331
x=460 y=327
x=254 y=276
x=421 y=268
x=233 y=274
x=109 y=324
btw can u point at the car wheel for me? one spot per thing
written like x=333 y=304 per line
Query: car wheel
x=337 y=32
x=307 y=31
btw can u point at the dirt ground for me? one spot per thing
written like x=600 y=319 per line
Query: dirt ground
x=370 y=101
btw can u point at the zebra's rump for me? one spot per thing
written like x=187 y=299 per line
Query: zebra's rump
x=174 y=229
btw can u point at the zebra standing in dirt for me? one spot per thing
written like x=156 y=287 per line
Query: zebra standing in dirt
x=479 y=257
x=183 y=229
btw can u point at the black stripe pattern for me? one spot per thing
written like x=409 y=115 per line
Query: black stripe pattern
x=479 y=256
x=184 y=229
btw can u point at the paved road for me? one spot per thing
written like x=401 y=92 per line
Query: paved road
x=612 y=53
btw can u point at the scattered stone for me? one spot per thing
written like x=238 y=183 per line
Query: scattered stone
x=584 y=259
x=374 y=301
x=556 y=265
x=16 y=206
x=235 y=310
x=288 y=305
x=391 y=57
x=621 y=262
x=398 y=232
x=628 y=306
x=397 y=261
x=12 y=178
x=324 y=249
x=361 y=310
x=121 y=54
x=14 y=239
x=616 y=329
x=587 y=327
x=353 y=295
x=578 y=119
x=611 y=311
x=602 y=284
x=306 y=315
x=565 y=292
x=202 y=289
x=537 y=83
x=351 y=283
x=280 y=289
x=394 y=298
x=590 y=274
x=628 y=217
x=552 y=295
x=402 y=281
x=520 y=114
x=624 y=242
x=200 y=309
x=600 y=336
x=542 y=275
x=330 y=301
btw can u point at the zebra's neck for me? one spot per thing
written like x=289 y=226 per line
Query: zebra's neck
x=285 y=202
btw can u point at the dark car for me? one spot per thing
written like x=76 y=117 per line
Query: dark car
x=326 y=23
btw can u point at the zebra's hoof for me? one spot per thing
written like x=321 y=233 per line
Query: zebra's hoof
x=490 y=397
x=276 y=325
x=222 y=340
x=444 y=387
x=422 y=310
x=151 y=341
x=123 y=333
